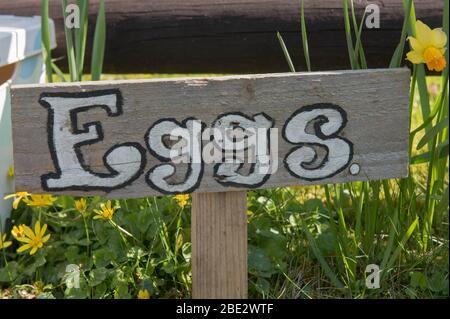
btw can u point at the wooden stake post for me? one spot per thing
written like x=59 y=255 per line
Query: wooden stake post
x=123 y=139
x=219 y=245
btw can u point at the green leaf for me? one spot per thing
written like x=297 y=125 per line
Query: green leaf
x=82 y=292
x=103 y=257
x=30 y=270
x=81 y=36
x=441 y=151
x=285 y=52
x=71 y=58
x=97 y=276
x=259 y=262
x=432 y=133
x=348 y=36
x=262 y=285
x=46 y=45
x=418 y=280
x=98 y=50
x=304 y=36
x=396 y=59
x=9 y=272
x=323 y=263
x=438 y=282
x=385 y=268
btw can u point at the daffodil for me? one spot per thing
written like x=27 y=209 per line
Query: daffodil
x=40 y=200
x=143 y=294
x=81 y=205
x=18 y=231
x=105 y=212
x=33 y=240
x=428 y=46
x=182 y=199
x=17 y=198
x=3 y=243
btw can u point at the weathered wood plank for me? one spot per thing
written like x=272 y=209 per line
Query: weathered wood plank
x=230 y=36
x=219 y=245
x=367 y=110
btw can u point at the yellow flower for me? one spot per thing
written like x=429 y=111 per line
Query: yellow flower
x=3 y=243
x=11 y=171
x=17 y=198
x=182 y=200
x=40 y=200
x=39 y=287
x=105 y=211
x=428 y=46
x=18 y=231
x=34 y=240
x=143 y=294
x=81 y=205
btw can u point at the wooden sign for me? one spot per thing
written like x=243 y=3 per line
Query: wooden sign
x=170 y=136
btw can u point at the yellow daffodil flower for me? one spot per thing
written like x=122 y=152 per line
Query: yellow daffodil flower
x=428 y=46
x=3 y=243
x=40 y=200
x=81 y=205
x=182 y=199
x=17 y=198
x=143 y=294
x=105 y=212
x=33 y=240
x=18 y=231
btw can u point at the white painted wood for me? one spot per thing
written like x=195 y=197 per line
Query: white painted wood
x=367 y=110
x=20 y=62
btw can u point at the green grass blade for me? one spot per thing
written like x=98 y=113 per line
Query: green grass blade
x=318 y=254
x=98 y=50
x=440 y=153
x=71 y=59
x=81 y=36
x=304 y=36
x=401 y=246
x=58 y=72
x=396 y=59
x=46 y=45
x=431 y=134
x=348 y=36
x=359 y=50
x=285 y=52
x=420 y=70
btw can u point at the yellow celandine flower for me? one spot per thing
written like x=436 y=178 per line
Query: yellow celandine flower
x=143 y=294
x=17 y=198
x=428 y=46
x=105 y=211
x=81 y=205
x=33 y=240
x=40 y=200
x=182 y=199
x=18 y=231
x=39 y=286
x=3 y=243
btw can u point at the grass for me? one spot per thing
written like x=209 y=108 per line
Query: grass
x=304 y=242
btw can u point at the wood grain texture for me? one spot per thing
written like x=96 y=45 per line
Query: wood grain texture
x=230 y=36
x=219 y=245
x=376 y=103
